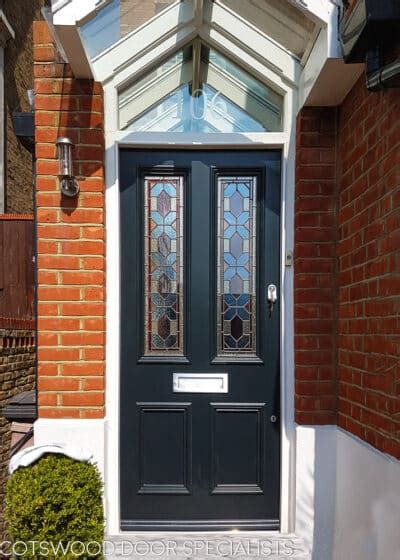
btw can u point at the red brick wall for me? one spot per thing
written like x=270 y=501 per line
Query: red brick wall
x=71 y=262
x=369 y=267
x=346 y=257
x=347 y=267
x=314 y=283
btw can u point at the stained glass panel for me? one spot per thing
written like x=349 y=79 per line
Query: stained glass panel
x=236 y=266
x=163 y=242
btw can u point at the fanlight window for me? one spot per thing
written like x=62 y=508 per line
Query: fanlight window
x=200 y=90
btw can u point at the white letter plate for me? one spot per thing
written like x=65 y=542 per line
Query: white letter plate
x=200 y=382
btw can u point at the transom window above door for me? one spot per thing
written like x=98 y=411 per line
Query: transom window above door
x=199 y=90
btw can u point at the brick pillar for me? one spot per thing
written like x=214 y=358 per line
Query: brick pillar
x=71 y=240
x=314 y=266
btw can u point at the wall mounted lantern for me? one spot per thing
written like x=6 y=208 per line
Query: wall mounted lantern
x=68 y=184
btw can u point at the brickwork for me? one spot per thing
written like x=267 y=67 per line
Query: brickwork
x=17 y=374
x=369 y=267
x=71 y=248
x=346 y=310
x=314 y=280
x=347 y=267
x=18 y=78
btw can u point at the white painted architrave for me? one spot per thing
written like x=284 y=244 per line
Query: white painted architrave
x=114 y=139
x=143 y=140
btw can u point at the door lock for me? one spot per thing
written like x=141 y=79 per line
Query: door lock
x=272 y=296
x=273 y=418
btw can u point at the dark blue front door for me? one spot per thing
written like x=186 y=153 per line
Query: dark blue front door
x=200 y=432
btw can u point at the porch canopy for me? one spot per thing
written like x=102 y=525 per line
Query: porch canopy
x=249 y=52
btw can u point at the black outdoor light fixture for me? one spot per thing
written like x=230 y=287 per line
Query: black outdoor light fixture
x=371 y=34
x=68 y=184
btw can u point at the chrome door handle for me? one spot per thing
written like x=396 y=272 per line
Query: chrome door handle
x=272 y=296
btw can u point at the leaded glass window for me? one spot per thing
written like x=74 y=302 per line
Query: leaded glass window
x=236 y=266
x=163 y=272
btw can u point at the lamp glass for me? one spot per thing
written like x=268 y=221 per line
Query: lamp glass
x=65 y=159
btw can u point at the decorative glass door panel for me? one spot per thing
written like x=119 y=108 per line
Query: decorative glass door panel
x=236 y=265
x=163 y=267
x=199 y=346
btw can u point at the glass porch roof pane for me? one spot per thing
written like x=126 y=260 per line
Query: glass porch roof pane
x=115 y=20
x=229 y=99
x=282 y=21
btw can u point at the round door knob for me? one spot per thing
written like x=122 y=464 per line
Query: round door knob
x=273 y=418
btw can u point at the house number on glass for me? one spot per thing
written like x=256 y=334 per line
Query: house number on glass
x=200 y=102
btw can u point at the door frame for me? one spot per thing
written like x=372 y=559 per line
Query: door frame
x=116 y=139
x=113 y=323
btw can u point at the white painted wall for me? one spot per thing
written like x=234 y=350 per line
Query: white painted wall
x=87 y=434
x=316 y=488
x=347 y=492
x=347 y=496
x=367 y=502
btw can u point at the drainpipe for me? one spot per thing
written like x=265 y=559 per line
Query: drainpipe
x=380 y=77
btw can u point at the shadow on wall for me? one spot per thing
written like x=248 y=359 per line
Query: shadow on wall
x=18 y=78
x=347 y=504
x=368 y=507
x=325 y=494
x=316 y=488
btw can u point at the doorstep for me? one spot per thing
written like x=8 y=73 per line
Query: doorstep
x=242 y=545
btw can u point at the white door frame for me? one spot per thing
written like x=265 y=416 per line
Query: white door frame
x=114 y=140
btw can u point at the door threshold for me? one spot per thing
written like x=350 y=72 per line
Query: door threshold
x=185 y=545
x=200 y=525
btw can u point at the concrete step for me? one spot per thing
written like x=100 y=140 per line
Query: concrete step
x=207 y=546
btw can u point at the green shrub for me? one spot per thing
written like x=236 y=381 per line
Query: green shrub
x=55 y=500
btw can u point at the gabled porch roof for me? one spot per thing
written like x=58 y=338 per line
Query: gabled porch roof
x=294 y=42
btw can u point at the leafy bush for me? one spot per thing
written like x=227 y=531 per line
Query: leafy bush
x=55 y=500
